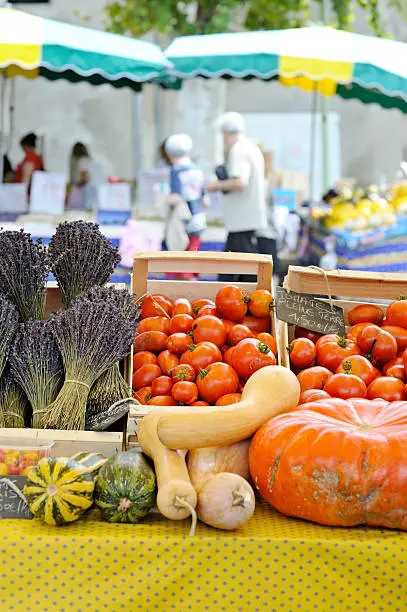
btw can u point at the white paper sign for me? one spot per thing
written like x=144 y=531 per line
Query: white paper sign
x=48 y=193
x=13 y=198
x=115 y=197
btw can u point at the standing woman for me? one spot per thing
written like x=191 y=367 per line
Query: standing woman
x=86 y=177
x=32 y=161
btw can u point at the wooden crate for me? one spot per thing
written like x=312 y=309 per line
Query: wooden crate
x=198 y=263
x=67 y=443
x=349 y=288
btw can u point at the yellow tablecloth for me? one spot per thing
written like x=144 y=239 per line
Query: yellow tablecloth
x=274 y=564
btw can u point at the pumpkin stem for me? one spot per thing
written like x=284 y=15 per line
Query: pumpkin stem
x=241 y=497
x=124 y=505
x=181 y=502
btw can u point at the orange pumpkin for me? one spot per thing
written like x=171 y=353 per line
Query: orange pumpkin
x=335 y=462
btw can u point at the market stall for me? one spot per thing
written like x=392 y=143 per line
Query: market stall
x=116 y=530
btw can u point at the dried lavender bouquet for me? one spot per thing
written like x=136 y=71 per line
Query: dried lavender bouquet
x=14 y=405
x=111 y=386
x=9 y=320
x=92 y=337
x=24 y=269
x=36 y=364
x=81 y=257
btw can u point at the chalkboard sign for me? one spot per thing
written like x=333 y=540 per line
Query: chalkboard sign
x=303 y=310
x=12 y=505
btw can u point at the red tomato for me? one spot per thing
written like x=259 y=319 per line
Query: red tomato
x=181 y=323
x=399 y=333
x=354 y=331
x=239 y=332
x=156 y=306
x=332 y=349
x=143 y=395
x=302 y=353
x=359 y=366
x=200 y=403
x=167 y=361
x=161 y=324
x=209 y=329
x=251 y=355
x=185 y=392
x=269 y=340
x=143 y=358
x=261 y=303
x=301 y=332
x=366 y=313
x=377 y=344
x=256 y=324
x=314 y=378
x=387 y=388
x=152 y=341
x=313 y=395
x=345 y=386
x=231 y=302
x=230 y=398
x=198 y=304
x=228 y=355
x=208 y=309
x=228 y=325
x=162 y=400
x=217 y=380
x=182 y=306
x=201 y=355
x=162 y=385
x=183 y=372
x=145 y=375
x=178 y=343
x=395 y=369
x=396 y=313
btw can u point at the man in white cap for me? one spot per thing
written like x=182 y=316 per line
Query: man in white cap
x=243 y=186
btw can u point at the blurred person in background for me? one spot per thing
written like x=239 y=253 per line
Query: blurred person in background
x=32 y=161
x=243 y=188
x=85 y=178
x=186 y=219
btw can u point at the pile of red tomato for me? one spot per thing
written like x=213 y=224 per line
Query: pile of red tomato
x=371 y=362
x=202 y=352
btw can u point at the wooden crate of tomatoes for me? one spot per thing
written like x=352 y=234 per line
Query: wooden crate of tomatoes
x=199 y=342
x=371 y=360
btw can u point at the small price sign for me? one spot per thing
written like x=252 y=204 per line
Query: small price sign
x=305 y=311
x=13 y=504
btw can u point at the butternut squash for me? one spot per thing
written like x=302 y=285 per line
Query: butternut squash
x=203 y=463
x=176 y=497
x=270 y=391
x=225 y=501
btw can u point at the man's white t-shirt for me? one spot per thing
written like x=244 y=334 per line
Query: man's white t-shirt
x=245 y=210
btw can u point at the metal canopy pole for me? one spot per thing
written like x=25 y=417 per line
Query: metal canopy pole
x=324 y=117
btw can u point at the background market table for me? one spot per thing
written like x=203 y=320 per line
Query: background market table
x=274 y=563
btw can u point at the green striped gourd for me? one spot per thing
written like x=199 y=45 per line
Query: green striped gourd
x=91 y=461
x=59 y=490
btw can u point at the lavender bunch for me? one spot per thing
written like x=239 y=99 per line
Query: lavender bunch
x=111 y=386
x=36 y=365
x=9 y=320
x=14 y=406
x=92 y=337
x=81 y=257
x=24 y=269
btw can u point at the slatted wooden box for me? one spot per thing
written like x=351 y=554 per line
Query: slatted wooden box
x=353 y=288
x=204 y=264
